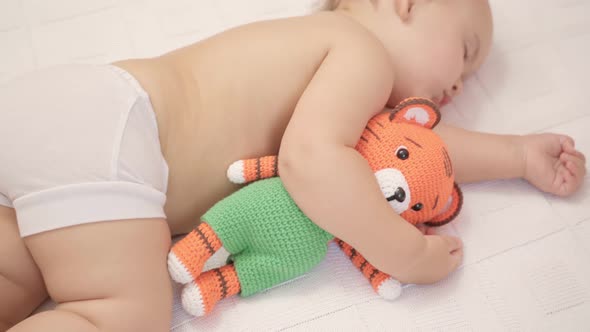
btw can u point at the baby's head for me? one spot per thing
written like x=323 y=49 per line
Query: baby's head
x=434 y=44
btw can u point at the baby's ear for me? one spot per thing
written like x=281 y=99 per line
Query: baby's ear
x=450 y=211
x=418 y=111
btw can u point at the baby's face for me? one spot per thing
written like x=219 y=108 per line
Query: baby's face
x=439 y=44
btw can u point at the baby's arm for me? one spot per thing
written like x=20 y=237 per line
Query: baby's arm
x=548 y=161
x=333 y=184
x=480 y=156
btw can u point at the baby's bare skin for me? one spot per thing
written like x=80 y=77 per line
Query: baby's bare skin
x=209 y=92
x=242 y=94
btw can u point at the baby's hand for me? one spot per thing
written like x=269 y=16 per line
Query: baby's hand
x=442 y=255
x=552 y=164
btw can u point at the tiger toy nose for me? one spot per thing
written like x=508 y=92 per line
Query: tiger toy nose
x=399 y=195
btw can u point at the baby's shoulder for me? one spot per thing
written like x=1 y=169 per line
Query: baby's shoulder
x=340 y=28
x=348 y=36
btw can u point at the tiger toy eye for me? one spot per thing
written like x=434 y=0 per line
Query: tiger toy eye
x=417 y=207
x=403 y=154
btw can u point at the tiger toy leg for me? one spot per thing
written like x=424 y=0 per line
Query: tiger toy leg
x=383 y=284
x=188 y=256
x=199 y=297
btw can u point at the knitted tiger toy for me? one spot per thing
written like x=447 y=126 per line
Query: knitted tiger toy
x=271 y=241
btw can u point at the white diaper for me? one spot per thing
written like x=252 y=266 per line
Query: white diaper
x=79 y=144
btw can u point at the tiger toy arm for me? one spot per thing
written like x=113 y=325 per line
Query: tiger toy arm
x=385 y=285
x=249 y=170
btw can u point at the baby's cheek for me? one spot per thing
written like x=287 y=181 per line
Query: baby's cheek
x=445 y=69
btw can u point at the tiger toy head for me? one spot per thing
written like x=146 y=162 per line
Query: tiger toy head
x=411 y=163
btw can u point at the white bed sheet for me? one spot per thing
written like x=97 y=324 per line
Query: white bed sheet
x=527 y=263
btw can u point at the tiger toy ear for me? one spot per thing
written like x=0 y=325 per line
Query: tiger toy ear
x=418 y=111
x=450 y=211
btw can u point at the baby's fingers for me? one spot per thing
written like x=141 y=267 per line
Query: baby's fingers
x=574 y=164
x=569 y=148
x=453 y=243
x=565 y=182
x=567 y=142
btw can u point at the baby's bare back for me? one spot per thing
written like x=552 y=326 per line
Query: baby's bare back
x=229 y=97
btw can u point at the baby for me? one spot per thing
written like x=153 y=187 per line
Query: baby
x=102 y=164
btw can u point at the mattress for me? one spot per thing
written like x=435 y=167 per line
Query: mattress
x=527 y=254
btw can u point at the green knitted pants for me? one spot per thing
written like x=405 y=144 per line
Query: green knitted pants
x=270 y=240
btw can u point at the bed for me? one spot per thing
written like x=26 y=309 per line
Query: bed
x=527 y=254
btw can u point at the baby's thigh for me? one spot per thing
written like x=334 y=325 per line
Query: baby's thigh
x=112 y=273
x=21 y=284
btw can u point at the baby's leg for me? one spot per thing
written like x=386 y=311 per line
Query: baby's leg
x=105 y=276
x=21 y=284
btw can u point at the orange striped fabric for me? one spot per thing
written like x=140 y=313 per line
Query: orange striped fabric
x=196 y=248
x=374 y=276
x=260 y=168
x=217 y=284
